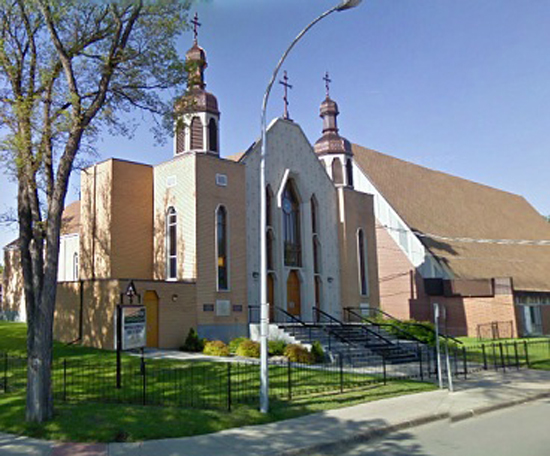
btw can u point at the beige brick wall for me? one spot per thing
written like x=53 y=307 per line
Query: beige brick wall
x=95 y=219
x=359 y=214
x=209 y=197
x=100 y=297
x=132 y=220
x=181 y=196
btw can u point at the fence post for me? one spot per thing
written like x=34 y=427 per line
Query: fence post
x=484 y=356
x=526 y=354
x=495 y=364
x=65 y=380
x=144 y=384
x=501 y=356
x=465 y=361
x=341 y=373
x=516 y=354
x=229 y=387
x=6 y=372
x=384 y=369
x=420 y=362
x=289 y=378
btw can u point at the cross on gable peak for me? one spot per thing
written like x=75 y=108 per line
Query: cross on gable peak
x=287 y=86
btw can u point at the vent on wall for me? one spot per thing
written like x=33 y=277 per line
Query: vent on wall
x=171 y=181
x=221 y=180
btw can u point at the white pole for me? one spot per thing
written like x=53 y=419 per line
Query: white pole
x=437 y=348
x=264 y=305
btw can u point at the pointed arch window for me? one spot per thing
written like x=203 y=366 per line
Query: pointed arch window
x=349 y=172
x=222 y=247
x=213 y=135
x=196 y=134
x=337 y=176
x=75 y=266
x=268 y=206
x=171 y=244
x=362 y=260
x=291 y=223
x=269 y=248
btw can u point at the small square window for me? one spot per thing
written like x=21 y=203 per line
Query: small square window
x=221 y=180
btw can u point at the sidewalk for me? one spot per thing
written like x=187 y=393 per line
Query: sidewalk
x=301 y=436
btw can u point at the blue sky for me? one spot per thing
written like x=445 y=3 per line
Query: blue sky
x=458 y=86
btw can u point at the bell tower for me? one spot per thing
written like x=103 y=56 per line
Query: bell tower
x=197 y=121
x=334 y=151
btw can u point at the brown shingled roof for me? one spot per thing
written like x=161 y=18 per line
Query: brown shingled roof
x=437 y=203
x=70 y=221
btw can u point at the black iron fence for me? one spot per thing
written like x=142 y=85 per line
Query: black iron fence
x=495 y=330
x=222 y=385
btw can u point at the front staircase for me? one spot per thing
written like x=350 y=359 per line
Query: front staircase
x=359 y=343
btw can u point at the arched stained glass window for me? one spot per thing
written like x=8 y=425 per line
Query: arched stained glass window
x=291 y=224
x=362 y=259
x=222 y=244
x=171 y=244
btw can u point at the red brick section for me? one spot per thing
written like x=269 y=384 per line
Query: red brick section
x=402 y=295
x=80 y=449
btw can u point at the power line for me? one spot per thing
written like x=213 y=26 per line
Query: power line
x=538 y=242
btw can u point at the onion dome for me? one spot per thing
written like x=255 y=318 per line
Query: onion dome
x=331 y=142
x=197 y=99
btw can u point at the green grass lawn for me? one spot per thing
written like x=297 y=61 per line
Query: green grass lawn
x=85 y=377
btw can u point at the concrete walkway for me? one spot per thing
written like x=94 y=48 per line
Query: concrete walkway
x=321 y=431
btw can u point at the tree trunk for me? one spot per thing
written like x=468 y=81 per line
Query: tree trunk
x=39 y=385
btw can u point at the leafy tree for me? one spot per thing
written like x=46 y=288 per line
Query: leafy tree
x=68 y=70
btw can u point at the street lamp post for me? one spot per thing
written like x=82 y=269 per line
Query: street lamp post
x=264 y=306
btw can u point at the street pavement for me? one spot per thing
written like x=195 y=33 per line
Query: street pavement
x=325 y=431
x=521 y=430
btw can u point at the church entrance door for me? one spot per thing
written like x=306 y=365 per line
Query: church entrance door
x=151 y=302
x=293 y=293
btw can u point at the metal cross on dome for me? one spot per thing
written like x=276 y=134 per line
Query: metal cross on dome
x=196 y=25
x=327 y=83
x=287 y=86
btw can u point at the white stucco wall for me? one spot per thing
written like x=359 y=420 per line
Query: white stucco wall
x=69 y=246
x=290 y=155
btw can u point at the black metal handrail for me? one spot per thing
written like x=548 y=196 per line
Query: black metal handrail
x=407 y=334
x=363 y=328
x=391 y=317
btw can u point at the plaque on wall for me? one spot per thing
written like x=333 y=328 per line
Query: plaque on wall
x=237 y=308
x=208 y=307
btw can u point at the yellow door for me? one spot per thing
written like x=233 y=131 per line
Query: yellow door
x=294 y=306
x=151 y=302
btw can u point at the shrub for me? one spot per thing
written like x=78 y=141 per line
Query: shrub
x=216 y=348
x=277 y=347
x=234 y=344
x=193 y=343
x=298 y=354
x=317 y=352
x=249 y=349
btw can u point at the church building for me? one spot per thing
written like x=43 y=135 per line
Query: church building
x=347 y=227
x=186 y=232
